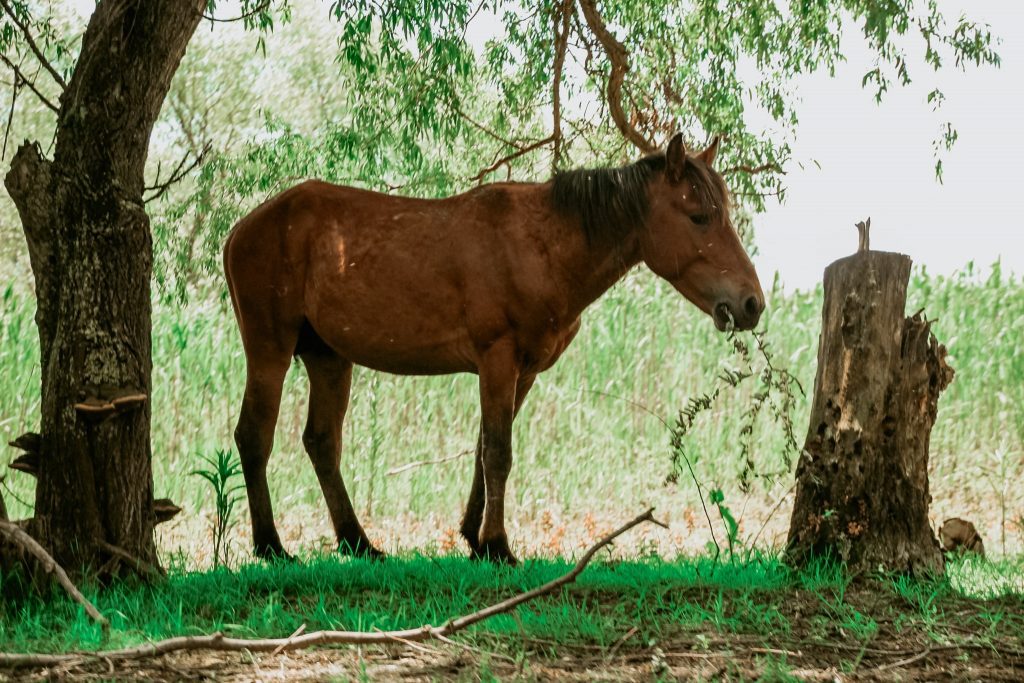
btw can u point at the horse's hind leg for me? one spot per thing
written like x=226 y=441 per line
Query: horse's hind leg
x=330 y=380
x=254 y=437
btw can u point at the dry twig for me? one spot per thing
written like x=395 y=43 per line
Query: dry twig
x=421 y=463
x=218 y=641
x=904 y=662
x=18 y=536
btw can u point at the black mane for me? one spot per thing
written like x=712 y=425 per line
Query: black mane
x=612 y=202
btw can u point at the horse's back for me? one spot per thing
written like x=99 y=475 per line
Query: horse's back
x=390 y=282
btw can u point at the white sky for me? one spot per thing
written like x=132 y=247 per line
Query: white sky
x=876 y=160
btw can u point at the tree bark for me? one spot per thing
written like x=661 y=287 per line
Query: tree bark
x=862 y=480
x=91 y=254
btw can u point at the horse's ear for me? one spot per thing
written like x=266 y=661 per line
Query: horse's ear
x=708 y=155
x=675 y=158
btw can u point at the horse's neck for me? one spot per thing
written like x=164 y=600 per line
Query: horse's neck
x=596 y=268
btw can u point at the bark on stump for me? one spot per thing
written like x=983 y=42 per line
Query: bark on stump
x=862 y=480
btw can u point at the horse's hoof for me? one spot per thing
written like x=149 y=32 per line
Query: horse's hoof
x=270 y=553
x=361 y=548
x=496 y=551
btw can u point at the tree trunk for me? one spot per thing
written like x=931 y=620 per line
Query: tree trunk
x=91 y=254
x=862 y=481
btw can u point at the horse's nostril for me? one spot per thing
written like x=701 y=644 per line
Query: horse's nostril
x=752 y=306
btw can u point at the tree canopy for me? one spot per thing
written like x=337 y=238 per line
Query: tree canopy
x=428 y=97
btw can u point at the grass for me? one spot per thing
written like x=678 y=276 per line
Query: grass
x=591 y=429
x=692 y=603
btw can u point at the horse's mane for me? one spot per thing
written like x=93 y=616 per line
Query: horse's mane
x=612 y=202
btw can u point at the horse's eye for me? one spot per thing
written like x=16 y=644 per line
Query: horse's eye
x=700 y=219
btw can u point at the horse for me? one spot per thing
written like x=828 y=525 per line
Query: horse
x=492 y=281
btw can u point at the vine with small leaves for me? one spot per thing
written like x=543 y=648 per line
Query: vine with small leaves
x=777 y=390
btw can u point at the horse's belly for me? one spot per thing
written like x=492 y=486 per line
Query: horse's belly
x=397 y=349
x=411 y=363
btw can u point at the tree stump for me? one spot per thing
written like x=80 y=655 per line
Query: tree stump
x=862 y=480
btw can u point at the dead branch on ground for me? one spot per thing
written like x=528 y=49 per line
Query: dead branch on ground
x=19 y=537
x=218 y=641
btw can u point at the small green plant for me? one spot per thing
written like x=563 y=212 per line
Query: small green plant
x=732 y=527
x=222 y=474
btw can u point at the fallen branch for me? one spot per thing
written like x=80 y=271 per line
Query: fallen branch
x=218 y=641
x=18 y=536
x=904 y=662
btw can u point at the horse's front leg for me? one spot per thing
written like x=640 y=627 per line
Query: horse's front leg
x=474 y=515
x=499 y=376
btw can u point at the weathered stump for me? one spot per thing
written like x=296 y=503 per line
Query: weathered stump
x=862 y=480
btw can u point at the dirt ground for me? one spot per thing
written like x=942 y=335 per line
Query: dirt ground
x=946 y=650
x=545 y=532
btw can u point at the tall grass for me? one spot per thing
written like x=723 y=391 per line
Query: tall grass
x=590 y=435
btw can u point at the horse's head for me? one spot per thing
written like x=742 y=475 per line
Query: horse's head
x=690 y=241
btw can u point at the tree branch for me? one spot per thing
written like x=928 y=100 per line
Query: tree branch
x=32 y=44
x=262 y=7
x=176 y=175
x=561 y=28
x=755 y=170
x=218 y=641
x=31 y=86
x=484 y=129
x=619 y=59
x=514 y=155
x=18 y=536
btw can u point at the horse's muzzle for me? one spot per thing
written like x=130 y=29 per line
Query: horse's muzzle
x=728 y=316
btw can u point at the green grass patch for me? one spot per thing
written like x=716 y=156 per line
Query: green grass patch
x=666 y=600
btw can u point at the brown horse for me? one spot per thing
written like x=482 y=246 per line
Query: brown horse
x=492 y=281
